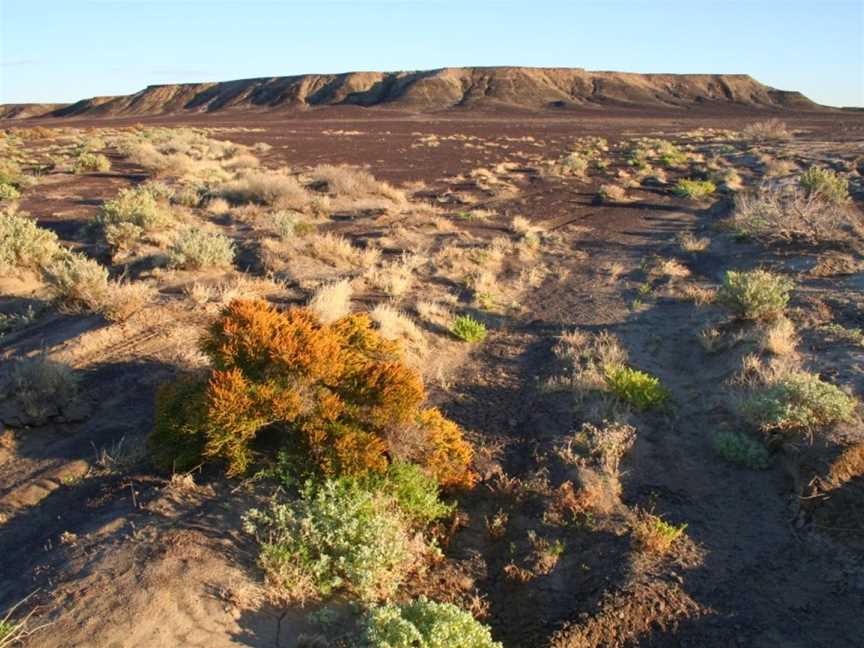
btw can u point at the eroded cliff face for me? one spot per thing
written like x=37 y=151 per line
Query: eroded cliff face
x=434 y=90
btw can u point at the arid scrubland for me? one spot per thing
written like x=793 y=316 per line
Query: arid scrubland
x=431 y=413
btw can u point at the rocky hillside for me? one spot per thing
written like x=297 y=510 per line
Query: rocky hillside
x=450 y=88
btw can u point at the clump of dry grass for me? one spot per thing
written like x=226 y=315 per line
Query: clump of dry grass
x=338 y=251
x=690 y=243
x=612 y=193
x=396 y=278
x=332 y=301
x=266 y=188
x=395 y=325
x=779 y=337
x=354 y=188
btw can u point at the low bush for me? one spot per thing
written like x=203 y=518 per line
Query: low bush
x=694 y=189
x=9 y=192
x=825 y=185
x=653 y=534
x=138 y=206
x=195 y=249
x=338 y=395
x=23 y=244
x=422 y=623
x=767 y=130
x=43 y=387
x=467 y=329
x=740 y=449
x=266 y=188
x=122 y=236
x=775 y=213
x=88 y=162
x=336 y=537
x=755 y=295
x=639 y=389
x=77 y=283
x=798 y=402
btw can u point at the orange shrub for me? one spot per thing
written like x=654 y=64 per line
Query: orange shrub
x=338 y=393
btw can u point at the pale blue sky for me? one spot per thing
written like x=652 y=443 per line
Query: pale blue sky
x=66 y=50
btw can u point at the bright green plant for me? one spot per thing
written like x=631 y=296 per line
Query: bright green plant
x=639 y=389
x=824 y=184
x=194 y=249
x=337 y=537
x=694 y=189
x=422 y=623
x=467 y=329
x=416 y=493
x=800 y=402
x=755 y=295
x=740 y=449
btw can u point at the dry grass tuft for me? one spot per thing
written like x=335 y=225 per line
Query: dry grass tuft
x=332 y=301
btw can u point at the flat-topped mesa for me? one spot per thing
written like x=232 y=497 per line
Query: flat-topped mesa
x=477 y=88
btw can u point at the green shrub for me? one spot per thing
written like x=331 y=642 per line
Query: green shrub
x=740 y=449
x=25 y=245
x=800 y=402
x=416 y=493
x=138 y=206
x=755 y=295
x=670 y=155
x=694 y=189
x=635 y=387
x=87 y=162
x=121 y=236
x=336 y=537
x=467 y=329
x=9 y=192
x=195 y=249
x=824 y=184
x=422 y=623
x=77 y=283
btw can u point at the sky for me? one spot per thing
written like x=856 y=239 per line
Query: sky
x=61 y=51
